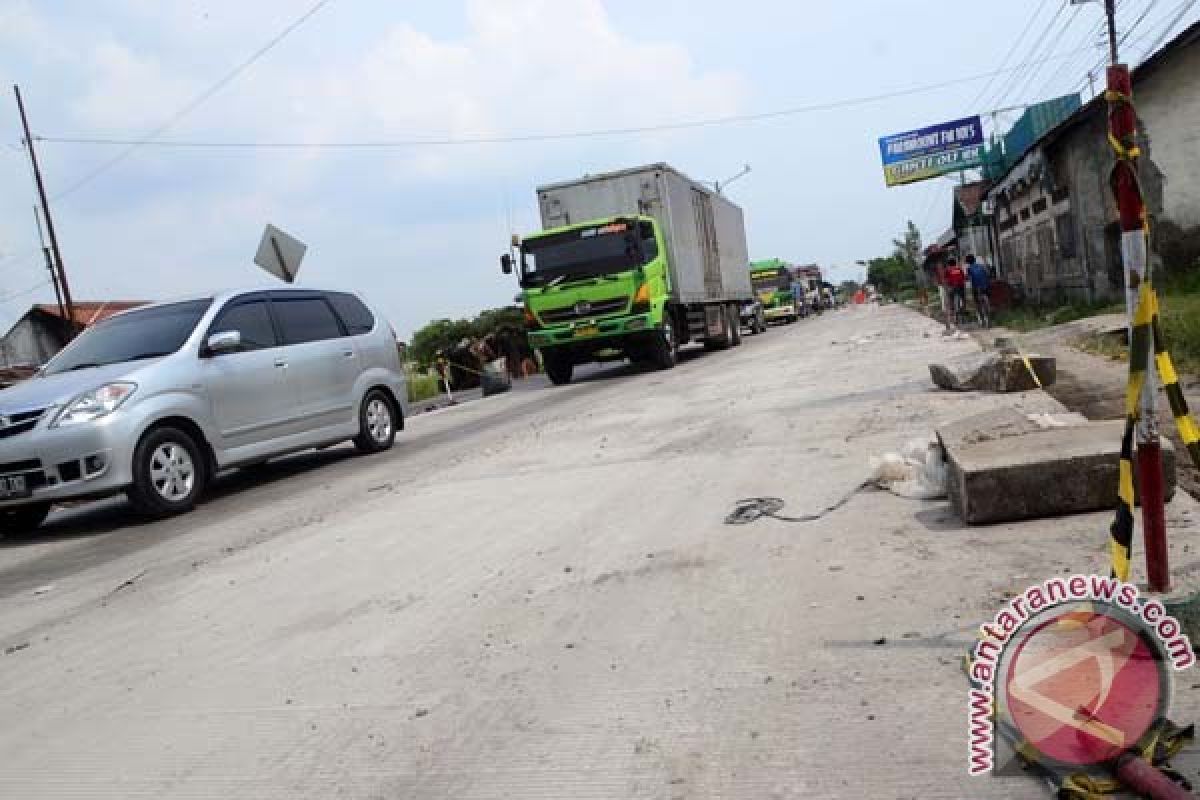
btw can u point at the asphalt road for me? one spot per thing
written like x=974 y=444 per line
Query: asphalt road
x=534 y=595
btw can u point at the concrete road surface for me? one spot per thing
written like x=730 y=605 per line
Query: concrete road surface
x=535 y=596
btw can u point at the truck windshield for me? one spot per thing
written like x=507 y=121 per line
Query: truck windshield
x=771 y=280
x=587 y=252
x=134 y=335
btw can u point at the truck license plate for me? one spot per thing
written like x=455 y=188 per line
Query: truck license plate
x=587 y=330
x=12 y=486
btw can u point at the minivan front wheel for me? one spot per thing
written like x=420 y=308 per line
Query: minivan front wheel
x=168 y=473
x=376 y=423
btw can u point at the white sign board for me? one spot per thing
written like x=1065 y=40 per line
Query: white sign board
x=280 y=254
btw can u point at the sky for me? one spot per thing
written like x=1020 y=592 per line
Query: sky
x=418 y=229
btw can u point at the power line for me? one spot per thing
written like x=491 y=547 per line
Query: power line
x=1020 y=79
x=1183 y=10
x=540 y=136
x=1011 y=52
x=195 y=103
x=24 y=292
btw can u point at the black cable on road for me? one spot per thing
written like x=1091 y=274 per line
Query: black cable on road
x=750 y=509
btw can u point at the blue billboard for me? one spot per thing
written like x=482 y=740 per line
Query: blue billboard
x=929 y=152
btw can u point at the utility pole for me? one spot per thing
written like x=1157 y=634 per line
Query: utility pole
x=62 y=309
x=41 y=188
x=1131 y=208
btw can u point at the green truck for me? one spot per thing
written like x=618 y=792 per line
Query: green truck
x=631 y=264
x=775 y=287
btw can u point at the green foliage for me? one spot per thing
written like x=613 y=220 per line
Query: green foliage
x=890 y=275
x=908 y=246
x=442 y=334
x=437 y=335
x=897 y=272
x=848 y=288
x=422 y=386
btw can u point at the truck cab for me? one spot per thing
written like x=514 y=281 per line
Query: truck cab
x=596 y=291
x=775 y=288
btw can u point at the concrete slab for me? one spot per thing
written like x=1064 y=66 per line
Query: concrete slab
x=1003 y=466
x=993 y=372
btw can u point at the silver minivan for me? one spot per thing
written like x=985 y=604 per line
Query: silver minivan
x=155 y=401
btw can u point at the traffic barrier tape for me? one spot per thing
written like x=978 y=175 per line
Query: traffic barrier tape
x=1147 y=327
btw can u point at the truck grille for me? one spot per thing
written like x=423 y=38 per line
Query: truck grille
x=12 y=424
x=584 y=310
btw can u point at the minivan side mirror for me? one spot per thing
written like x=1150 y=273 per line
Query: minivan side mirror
x=224 y=342
x=506 y=264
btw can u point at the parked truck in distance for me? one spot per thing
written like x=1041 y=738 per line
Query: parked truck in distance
x=810 y=282
x=773 y=283
x=631 y=264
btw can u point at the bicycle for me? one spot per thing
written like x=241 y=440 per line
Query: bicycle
x=958 y=304
x=983 y=309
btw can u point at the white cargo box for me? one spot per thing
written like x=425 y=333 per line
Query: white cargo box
x=705 y=233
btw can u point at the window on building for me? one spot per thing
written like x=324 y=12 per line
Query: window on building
x=1024 y=213
x=1060 y=194
x=1039 y=205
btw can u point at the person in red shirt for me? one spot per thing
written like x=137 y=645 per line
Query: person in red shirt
x=956 y=284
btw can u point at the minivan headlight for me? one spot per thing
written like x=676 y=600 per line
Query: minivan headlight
x=95 y=404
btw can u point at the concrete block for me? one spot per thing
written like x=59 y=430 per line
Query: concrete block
x=1003 y=466
x=993 y=372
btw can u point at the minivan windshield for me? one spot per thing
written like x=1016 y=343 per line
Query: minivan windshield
x=134 y=335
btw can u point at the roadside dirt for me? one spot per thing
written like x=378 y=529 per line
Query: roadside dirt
x=1095 y=386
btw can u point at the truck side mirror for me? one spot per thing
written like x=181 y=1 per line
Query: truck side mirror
x=506 y=264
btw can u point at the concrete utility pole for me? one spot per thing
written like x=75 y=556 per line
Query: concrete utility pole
x=41 y=188
x=1131 y=209
x=62 y=309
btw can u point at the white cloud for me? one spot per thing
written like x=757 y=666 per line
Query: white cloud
x=128 y=92
x=398 y=222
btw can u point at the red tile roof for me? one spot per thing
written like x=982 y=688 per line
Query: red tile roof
x=89 y=313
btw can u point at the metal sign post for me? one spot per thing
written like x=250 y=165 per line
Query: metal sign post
x=280 y=254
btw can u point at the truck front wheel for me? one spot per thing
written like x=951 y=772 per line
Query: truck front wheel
x=664 y=348
x=558 y=368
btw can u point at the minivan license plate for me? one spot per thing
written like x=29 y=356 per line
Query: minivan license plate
x=13 y=486
x=587 y=330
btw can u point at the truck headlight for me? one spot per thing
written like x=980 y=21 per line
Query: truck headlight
x=94 y=404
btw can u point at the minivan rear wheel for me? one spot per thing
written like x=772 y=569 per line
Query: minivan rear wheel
x=169 y=473
x=376 y=423
x=23 y=519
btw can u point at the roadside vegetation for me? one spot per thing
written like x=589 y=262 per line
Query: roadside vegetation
x=1030 y=318
x=1179 y=301
x=444 y=334
x=897 y=273
x=421 y=385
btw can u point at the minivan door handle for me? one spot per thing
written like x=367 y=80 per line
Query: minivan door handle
x=279 y=362
x=348 y=353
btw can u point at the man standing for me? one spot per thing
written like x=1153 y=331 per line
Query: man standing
x=981 y=283
x=956 y=287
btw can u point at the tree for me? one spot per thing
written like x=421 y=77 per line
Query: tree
x=889 y=275
x=908 y=246
x=443 y=334
x=440 y=334
x=899 y=270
